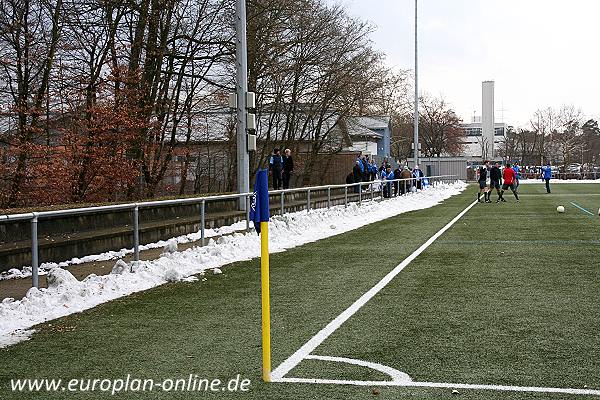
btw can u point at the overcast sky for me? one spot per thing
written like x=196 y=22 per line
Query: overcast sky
x=540 y=53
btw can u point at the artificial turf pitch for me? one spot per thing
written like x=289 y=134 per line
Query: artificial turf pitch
x=509 y=295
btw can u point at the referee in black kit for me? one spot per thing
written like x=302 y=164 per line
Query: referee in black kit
x=483 y=172
x=495 y=181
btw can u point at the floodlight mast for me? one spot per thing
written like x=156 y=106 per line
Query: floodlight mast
x=416 y=114
x=241 y=52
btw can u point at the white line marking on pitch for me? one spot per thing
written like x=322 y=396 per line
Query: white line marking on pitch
x=397 y=376
x=300 y=354
x=442 y=385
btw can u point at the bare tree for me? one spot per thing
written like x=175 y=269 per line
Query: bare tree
x=440 y=128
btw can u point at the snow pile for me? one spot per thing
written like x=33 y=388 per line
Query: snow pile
x=67 y=295
x=168 y=246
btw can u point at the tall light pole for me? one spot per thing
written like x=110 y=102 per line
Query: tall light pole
x=416 y=116
x=241 y=56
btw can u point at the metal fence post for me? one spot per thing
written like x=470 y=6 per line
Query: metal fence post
x=371 y=191
x=328 y=197
x=202 y=221
x=248 y=197
x=136 y=233
x=34 y=251
x=282 y=203
x=308 y=201
x=346 y=197
x=381 y=187
x=360 y=194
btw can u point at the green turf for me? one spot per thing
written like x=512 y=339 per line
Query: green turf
x=469 y=310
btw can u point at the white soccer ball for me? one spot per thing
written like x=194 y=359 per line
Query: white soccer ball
x=560 y=209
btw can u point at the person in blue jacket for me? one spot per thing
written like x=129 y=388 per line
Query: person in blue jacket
x=417 y=173
x=517 y=173
x=387 y=175
x=373 y=170
x=547 y=175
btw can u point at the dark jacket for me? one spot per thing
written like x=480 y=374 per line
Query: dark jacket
x=356 y=171
x=495 y=174
x=276 y=162
x=288 y=163
x=482 y=173
x=350 y=178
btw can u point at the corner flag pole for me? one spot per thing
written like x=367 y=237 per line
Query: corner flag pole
x=266 y=306
x=259 y=214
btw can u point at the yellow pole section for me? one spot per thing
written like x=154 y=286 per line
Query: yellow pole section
x=266 y=307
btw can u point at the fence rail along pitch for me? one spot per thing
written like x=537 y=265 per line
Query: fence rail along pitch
x=135 y=208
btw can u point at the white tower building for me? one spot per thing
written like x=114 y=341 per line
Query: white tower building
x=487 y=119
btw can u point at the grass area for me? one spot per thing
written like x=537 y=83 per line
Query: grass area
x=521 y=311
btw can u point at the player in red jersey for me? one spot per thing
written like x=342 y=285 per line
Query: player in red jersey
x=509 y=176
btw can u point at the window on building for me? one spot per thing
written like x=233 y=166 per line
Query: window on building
x=473 y=131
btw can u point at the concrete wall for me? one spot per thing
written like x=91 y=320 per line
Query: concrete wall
x=442 y=166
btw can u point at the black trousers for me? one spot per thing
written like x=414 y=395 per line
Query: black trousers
x=547 y=185
x=276 y=179
x=286 y=179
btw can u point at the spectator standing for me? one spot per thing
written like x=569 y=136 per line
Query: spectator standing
x=357 y=174
x=406 y=174
x=397 y=175
x=387 y=175
x=365 y=169
x=547 y=175
x=288 y=168
x=276 y=168
x=417 y=175
x=373 y=170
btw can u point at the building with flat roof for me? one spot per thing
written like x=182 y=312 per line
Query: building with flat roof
x=477 y=146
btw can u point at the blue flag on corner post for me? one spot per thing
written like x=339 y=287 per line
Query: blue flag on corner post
x=259 y=207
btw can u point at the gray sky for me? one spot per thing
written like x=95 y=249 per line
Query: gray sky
x=540 y=53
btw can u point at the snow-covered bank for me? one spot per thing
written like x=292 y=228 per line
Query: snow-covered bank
x=66 y=295
x=25 y=272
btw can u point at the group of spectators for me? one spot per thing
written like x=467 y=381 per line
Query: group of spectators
x=367 y=170
x=281 y=168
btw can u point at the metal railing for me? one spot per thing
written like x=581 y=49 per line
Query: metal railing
x=359 y=189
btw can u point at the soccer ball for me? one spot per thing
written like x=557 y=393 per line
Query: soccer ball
x=560 y=209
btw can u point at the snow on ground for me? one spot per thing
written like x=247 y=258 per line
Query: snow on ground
x=25 y=272
x=66 y=295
